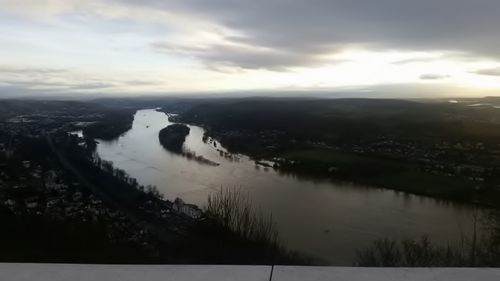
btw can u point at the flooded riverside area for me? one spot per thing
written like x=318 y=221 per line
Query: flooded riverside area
x=317 y=217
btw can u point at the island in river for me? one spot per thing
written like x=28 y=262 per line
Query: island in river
x=173 y=136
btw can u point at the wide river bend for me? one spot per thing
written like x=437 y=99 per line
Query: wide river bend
x=317 y=217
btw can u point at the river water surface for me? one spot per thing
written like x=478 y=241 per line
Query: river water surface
x=316 y=217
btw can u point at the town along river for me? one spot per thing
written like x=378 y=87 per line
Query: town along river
x=316 y=217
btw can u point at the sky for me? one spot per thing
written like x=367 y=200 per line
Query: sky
x=428 y=48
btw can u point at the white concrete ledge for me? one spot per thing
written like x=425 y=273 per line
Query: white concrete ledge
x=69 y=272
x=294 y=273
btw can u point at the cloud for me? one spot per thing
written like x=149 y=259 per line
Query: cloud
x=37 y=9
x=90 y=86
x=143 y=83
x=433 y=76
x=30 y=78
x=7 y=69
x=489 y=71
x=279 y=34
x=57 y=86
x=9 y=91
x=225 y=44
x=302 y=30
x=242 y=56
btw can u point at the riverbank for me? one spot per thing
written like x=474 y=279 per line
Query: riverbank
x=310 y=162
x=113 y=123
x=365 y=142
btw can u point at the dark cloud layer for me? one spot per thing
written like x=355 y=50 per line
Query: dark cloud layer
x=298 y=31
x=13 y=70
x=31 y=79
x=489 y=71
x=230 y=55
x=433 y=76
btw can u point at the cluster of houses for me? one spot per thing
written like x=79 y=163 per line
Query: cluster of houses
x=37 y=124
x=190 y=210
x=450 y=159
x=48 y=195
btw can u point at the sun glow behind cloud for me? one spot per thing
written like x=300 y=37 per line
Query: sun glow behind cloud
x=153 y=47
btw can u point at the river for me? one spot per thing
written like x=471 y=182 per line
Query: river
x=316 y=217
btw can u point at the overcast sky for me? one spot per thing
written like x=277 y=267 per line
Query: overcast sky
x=128 y=47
